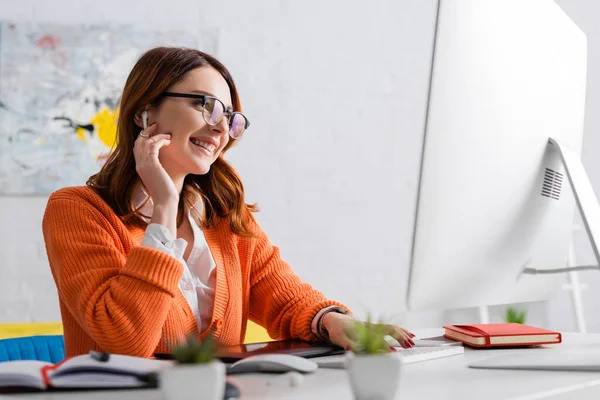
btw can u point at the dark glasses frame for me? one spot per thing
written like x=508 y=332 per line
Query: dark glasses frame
x=230 y=114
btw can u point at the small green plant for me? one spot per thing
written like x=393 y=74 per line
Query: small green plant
x=515 y=315
x=369 y=337
x=194 y=352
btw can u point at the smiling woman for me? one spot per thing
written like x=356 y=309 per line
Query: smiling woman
x=160 y=244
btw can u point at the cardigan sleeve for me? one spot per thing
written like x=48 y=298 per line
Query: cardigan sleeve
x=120 y=300
x=279 y=300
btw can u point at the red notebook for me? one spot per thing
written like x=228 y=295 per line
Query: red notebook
x=497 y=335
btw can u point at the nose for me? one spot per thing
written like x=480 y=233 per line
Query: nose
x=221 y=127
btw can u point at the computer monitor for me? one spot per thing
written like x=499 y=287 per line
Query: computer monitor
x=507 y=75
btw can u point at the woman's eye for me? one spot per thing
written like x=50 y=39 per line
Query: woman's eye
x=198 y=103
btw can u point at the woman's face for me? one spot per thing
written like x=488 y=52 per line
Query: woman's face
x=195 y=145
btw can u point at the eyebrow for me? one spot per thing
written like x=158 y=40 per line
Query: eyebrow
x=228 y=106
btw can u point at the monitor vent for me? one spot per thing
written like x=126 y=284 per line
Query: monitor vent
x=552 y=184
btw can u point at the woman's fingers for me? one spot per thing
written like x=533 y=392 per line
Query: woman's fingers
x=146 y=133
x=158 y=183
x=343 y=341
x=150 y=146
x=342 y=337
x=401 y=336
x=157 y=142
x=159 y=136
x=411 y=335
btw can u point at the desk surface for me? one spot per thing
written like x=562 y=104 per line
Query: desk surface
x=445 y=378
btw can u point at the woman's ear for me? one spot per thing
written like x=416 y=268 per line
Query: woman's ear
x=138 y=117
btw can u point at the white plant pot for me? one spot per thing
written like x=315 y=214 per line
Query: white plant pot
x=374 y=377
x=193 y=381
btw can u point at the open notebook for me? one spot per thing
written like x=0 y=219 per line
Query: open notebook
x=79 y=372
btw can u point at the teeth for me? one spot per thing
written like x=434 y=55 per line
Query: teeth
x=208 y=146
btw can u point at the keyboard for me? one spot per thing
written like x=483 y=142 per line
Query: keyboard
x=417 y=354
x=408 y=356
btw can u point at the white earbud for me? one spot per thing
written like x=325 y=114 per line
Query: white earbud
x=145 y=119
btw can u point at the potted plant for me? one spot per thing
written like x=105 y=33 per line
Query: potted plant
x=196 y=372
x=515 y=315
x=373 y=370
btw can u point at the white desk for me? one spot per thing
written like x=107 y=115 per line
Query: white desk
x=446 y=378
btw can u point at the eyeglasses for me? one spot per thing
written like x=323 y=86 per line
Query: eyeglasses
x=213 y=112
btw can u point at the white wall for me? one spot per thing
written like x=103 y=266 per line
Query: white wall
x=338 y=144
x=336 y=91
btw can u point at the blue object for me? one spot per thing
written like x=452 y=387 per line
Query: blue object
x=41 y=348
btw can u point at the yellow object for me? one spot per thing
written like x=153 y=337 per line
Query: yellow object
x=81 y=134
x=8 y=331
x=106 y=123
x=256 y=333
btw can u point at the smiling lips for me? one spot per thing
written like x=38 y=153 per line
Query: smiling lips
x=205 y=143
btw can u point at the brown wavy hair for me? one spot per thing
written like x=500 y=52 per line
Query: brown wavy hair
x=221 y=189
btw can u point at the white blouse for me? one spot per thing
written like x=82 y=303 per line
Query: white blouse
x=198 y=280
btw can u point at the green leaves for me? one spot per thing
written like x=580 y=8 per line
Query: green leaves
x=369 y=337
x=514 y=315
x=195 y=352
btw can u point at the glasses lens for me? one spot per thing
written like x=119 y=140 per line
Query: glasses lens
x=213 y=111
x=238 y=125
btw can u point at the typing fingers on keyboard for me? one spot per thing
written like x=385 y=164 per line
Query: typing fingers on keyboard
x=341 y=338
x=410 y=335
x=401 y=337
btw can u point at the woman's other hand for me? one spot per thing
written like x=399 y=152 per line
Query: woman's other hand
x=340 y=328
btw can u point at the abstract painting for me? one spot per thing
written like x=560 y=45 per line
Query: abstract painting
x=59 y=94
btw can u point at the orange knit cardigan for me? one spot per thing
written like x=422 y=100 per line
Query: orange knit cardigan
x=120 y=297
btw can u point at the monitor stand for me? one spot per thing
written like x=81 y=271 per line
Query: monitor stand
x=588 y=205
x=587 y=202
x=589 y=208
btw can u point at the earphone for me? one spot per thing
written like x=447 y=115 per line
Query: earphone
x=145 y=119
